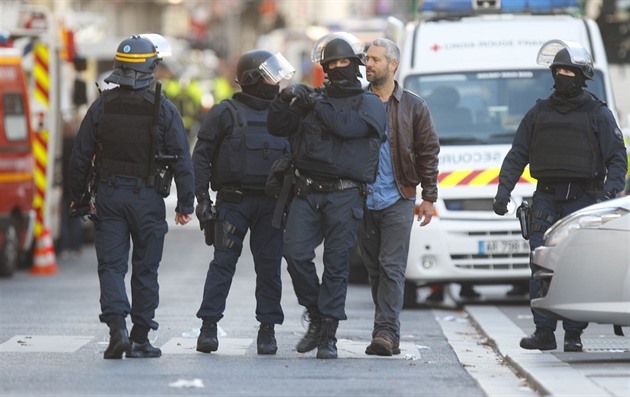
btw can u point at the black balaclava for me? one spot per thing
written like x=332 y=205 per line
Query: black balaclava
x=342 y=76
x=569 y=86
x=262 y=90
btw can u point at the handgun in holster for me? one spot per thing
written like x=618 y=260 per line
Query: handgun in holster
x=207 y=224
x=522 y=213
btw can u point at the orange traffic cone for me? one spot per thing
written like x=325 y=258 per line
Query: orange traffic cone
x=44 y=261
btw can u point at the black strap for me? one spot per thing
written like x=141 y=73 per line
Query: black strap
x=154 y=128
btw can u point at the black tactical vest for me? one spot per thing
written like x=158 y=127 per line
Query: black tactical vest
x=564 y=146
x=125 y=143
x=319 y=153
x=245 y=155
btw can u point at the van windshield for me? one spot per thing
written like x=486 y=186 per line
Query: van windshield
x=484 y=107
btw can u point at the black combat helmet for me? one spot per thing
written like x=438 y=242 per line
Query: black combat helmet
x=339 y=48
x=247 y=68
x=563 y=58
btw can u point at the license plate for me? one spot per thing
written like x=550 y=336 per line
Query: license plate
x=503 y=247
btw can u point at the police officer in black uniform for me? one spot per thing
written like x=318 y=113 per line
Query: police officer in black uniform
x=336 y=136
x=125 y=130
x=576 y=152
x=234 y=153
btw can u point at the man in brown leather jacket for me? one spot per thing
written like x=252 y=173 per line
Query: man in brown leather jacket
x=409 y=158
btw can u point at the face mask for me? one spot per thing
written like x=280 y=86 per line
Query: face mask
x=266 y=91
x=342 y=75
x=262 y=90
x=567 y=86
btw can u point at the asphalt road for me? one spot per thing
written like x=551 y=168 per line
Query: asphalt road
x=51 y=342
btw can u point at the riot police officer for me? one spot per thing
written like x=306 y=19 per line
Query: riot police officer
x=575 y=150
x=126 y=130
x=234 y=153
x=336 y=135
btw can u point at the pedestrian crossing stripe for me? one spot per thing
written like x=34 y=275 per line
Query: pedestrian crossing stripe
x=179 y=345
x=45 y=343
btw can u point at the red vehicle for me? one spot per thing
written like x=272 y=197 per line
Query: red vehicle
x=17 y=187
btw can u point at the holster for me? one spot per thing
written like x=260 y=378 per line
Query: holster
x=163 y=181
x=208 y=231
x=523 y=214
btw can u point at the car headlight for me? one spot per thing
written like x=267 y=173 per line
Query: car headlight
x=584 y=219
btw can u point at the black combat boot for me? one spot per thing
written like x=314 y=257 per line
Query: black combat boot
x=140 y=345
x=572 y=341
x=207 y=341
x=311 y=339
x=266 y=339
x=118 y=338
x=143 y=350
x=327 y=347
x=541 y=339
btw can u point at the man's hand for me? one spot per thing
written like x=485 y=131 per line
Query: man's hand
x=425 y=212
x=500 y=205
x=182 y=219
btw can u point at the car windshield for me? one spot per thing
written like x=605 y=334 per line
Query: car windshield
x=484 y=107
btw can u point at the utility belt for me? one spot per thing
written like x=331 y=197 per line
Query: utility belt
x=306 y=185
x=569 y=187
x=235 y=194
x=125 y=180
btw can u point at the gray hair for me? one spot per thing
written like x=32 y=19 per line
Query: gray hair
x=391 y=49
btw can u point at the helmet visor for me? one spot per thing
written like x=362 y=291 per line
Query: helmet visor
x=579 y=56
x=317 y=54
x=162 y=47
x=276 y=68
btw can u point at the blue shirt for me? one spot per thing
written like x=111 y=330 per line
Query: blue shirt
x=383 y=192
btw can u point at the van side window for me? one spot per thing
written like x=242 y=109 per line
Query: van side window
x=16 y=126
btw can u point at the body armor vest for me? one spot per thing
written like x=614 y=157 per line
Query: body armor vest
x=245 y=155
x=564 y=146
x=125 y=141
x=319 y=153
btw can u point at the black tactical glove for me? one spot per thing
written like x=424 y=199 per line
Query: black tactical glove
x=301 y=91
x=500 y=205
x=203 y=208
x=605 y=196
x=287 y=94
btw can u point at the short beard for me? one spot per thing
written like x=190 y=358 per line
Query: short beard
x=378 y=80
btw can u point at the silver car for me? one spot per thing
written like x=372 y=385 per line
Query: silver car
x=586 y=265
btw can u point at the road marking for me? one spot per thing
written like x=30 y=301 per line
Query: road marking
x=45 y=343
x=181 y=345
x=227 y=346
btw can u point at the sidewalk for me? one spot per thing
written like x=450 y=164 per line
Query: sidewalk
x=603 y=369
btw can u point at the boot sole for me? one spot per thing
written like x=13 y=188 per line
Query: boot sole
x=533 y=347
x=207 y=349
x=143 y=355
x=573 y=349
x=326 y=357
x=305 y=349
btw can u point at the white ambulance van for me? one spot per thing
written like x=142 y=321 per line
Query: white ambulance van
x=474 y=62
